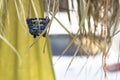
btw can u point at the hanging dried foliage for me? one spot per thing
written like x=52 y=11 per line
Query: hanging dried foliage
x=91 y=24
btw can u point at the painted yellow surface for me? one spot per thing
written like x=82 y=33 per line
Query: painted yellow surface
x=35 y=64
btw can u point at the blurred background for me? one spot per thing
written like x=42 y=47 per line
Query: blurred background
x=82 y=68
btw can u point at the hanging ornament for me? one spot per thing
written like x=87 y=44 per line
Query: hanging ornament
x=37 y=25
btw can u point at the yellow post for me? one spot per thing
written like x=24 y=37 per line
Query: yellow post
x=35 y=65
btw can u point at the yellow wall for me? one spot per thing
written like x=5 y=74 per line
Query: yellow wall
x=35 y=64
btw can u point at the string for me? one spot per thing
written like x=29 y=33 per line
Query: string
x=47 y=6
x=47 y=15
x=28 y=9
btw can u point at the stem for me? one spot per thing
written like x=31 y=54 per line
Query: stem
x=104 y=35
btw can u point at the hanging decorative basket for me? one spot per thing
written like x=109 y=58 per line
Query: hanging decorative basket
x=37 y=26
